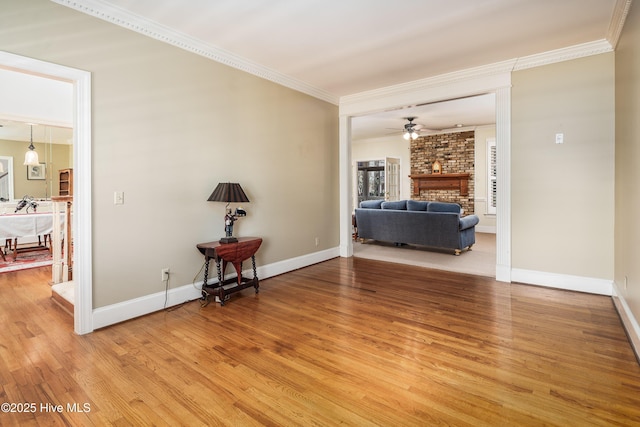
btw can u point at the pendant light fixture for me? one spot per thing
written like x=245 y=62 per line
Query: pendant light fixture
x=31 y=156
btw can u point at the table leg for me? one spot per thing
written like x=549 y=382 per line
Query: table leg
x=221 y=295
x=205 y=294
x=255 y=274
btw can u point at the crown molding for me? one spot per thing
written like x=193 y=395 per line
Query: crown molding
x=565 y=54
x=125 y=19
x=620 y=12
x=487 y=72
x=128 y=20
x=497 y=69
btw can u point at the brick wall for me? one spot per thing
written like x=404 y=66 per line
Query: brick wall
x=455 y=151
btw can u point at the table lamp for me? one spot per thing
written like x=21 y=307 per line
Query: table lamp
x=229 y=192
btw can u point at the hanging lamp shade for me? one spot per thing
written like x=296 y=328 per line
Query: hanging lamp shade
x=31 y=156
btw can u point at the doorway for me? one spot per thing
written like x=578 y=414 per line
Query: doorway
x=81 y=123
x=377 y=180
x=431 y=91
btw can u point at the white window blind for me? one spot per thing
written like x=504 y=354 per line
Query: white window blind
x=491 y=176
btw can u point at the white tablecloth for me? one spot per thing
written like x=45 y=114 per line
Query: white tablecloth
x=25 y=225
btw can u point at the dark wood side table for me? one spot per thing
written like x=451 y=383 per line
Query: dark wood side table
x=229 y=253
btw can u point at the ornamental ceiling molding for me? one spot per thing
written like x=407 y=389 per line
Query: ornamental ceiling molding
x=437 y=88
x=565 y=54
x=164 y=34
x=620 y=12
x=492 y=75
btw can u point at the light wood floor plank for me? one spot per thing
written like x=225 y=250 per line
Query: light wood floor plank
x=344 y=342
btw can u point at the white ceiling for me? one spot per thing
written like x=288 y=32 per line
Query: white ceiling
x=12 y=130
x=350 y=46
x=344 y=47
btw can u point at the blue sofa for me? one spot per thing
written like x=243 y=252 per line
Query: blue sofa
x=432 y=224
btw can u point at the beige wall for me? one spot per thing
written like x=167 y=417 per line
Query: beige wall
x=562 y=194
x=56 y=157
x=627 y=232
x=168 y=125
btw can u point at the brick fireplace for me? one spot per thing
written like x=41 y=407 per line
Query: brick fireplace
x=455 y=152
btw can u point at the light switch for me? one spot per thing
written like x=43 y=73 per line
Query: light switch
x=559 y=138
x=118 y=198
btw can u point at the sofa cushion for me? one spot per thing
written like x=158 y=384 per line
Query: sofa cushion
x=400 y=205
x=443 y=207
x=371 y=204
x=417 y=205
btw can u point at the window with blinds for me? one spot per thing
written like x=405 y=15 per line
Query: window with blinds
x=491 y=176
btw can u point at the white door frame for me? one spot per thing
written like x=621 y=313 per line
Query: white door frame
x=455 y=85
x=82 y=256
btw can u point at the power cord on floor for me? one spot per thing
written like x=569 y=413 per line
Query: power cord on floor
x=166 y=290
x=193 y=282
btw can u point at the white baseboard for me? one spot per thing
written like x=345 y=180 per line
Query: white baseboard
x=486 y=229
x=629 y=322
x=291 y=264
x=562 y=281
x=116 y=313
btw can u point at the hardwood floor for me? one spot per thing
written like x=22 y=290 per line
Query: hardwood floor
x=345 y=342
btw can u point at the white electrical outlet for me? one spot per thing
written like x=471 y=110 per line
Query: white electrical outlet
x=165 y=274
x=317 y=241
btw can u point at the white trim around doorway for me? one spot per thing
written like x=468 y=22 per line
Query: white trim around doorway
x=82 y=262
x=494 y=80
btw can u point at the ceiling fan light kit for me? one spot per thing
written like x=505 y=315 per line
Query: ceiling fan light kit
x=410 y=129
x=412 y=135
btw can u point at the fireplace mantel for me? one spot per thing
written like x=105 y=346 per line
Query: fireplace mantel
x=444 y=181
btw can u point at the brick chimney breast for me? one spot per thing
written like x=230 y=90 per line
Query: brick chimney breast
x=455 y=152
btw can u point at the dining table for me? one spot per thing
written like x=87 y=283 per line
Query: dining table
x=28 y=226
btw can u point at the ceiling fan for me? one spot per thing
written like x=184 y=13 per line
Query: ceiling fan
x=411 y=129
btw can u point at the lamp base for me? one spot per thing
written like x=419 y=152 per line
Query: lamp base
x=228 y=240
